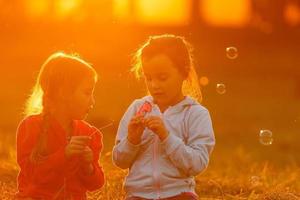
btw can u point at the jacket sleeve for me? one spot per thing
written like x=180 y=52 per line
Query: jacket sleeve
x=193 y=157
x=42 y=170
x=125 y=152
x=96 y=179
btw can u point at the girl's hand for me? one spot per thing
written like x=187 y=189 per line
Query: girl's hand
x=76 y=145
x=87 y=155
x=87 y=158
x=156 y=125
x=88 y=169
x=135 y=129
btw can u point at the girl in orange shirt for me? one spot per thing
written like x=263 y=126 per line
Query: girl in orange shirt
x=58 y=151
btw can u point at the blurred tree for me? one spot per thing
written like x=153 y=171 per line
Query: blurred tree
x=269 y=14
x=195 y=13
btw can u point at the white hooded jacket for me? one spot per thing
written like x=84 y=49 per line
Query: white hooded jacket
x=160 y=169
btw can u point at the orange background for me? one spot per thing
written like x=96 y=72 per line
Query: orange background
x=262 y=83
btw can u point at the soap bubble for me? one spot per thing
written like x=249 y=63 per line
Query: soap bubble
x=232 y=52
x=265 y=137
x=221 y=88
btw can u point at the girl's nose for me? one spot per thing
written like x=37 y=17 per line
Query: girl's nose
x=154 y=84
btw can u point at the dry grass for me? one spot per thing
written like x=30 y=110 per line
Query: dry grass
x=240 y=167
x=233 y=174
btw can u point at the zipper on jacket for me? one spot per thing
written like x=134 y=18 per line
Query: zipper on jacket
x=155 y=163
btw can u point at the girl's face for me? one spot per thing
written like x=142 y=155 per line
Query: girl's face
x=82 y=100
x=163 y=80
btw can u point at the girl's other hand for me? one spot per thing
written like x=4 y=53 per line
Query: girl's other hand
x=156 y=125
x=135 y=129
x=87 y=155
x=76 y=145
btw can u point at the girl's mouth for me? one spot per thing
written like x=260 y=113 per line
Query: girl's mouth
x=158 y=94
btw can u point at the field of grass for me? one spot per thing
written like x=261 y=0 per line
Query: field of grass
x=237 y=171
x=240 y=166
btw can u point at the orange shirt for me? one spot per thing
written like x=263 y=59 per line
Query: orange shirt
x=55 y=177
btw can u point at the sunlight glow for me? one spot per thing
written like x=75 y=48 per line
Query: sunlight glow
x=36 y=8
x=64 y=8
x=235 y=13
x=121 y=9
x=292 y=14
x=203 y=81
x=163 y=12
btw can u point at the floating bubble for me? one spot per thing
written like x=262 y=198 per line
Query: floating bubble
x=204 y=81
x=265 y=137
x=232 y=52
x=221 y=88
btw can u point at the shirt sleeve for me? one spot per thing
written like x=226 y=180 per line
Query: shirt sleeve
x=95 y=180
x=125 y=152
x=193 y=157
x=41 y=170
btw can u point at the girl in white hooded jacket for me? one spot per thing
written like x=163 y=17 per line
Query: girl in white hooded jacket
x=165 y=138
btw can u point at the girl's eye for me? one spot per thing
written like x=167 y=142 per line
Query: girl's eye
x=163 y=78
